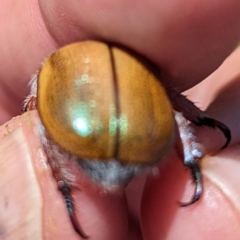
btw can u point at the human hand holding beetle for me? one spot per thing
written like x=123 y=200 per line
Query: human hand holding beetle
x=169 y=62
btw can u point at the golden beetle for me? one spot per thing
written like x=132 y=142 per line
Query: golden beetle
x=106 y=107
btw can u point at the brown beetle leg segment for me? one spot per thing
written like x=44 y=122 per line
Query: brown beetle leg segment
x=210 y=122
x=191 y=152
x=65 y=188
x=195 y=115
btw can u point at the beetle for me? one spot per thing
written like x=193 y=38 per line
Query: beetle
x=105 y=108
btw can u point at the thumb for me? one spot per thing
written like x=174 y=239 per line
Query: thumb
x=31 y=206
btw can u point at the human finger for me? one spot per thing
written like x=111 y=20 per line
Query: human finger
x=186 y=44
x=32 y=206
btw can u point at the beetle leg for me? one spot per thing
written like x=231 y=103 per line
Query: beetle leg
x=59 y=162
x=30 y=103
x=64 y=180
x=197 y=178
x=195 y=115
x=65 y=188
x=191 y=152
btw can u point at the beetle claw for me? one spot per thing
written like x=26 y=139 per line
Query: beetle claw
x=212 y=123
x=197 y=178
x=190 y=152
x=65 y=188
x=76 y=225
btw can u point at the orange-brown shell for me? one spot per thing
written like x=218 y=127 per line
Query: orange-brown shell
x=100 y=101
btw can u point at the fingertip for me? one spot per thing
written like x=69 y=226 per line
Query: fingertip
x=214 y=216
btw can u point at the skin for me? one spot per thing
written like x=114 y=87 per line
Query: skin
x=188 y=45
